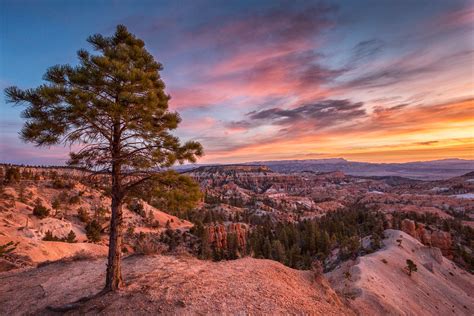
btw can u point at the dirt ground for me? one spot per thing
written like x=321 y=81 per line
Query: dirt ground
x=171 y=285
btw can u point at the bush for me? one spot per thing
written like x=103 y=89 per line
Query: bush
x=83 y=215
x=78 y=256
x=74 y=199
x=99 y=214
x=7 y=248
x=71 y=237
x=58 y=183
x=317 y=269
x=50 y=237
x=137 y=207
x=93 y=230
x=41 y=211
x=12 y=175
x=411 y=267
x=130 y=231
x=146 y=245
x=56 y=204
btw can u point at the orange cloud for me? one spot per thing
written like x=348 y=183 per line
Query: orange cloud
x=387 y=134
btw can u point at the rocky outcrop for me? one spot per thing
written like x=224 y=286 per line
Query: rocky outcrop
x=437 y=238
x=409 y=227
x=443 y=241
x=219 y=234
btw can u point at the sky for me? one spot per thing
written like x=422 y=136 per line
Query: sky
x=367 y=80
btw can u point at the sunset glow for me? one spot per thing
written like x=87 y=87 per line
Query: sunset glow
x=253 y=81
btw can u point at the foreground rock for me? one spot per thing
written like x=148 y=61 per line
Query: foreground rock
x=378 y=284
x=171 y=285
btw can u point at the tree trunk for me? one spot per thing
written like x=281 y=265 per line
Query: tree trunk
x=113 y=279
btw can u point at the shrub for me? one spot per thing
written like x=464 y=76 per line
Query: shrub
x=347 y=275
x=317 y=268
x=82 y=255
x=56 y=204
x=7 y=248
x=50 y=237
x=58 y=183
x=411 y=267
x=78 y=256
x=41 y=211
x=146 y=245
x=12 y=175
x=137 y=207
x=99 y=214
x=93 y=230
x=130 y=231
x=74 y=199
x=384 y=261
x=83 y=215
x=71 y=237
x=151 y=221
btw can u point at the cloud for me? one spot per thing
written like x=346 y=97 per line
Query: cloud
x=389 y=75
x=366 y=49
x=278 y=27
x=265 y=54
x=308 y=118
x=460 y=17
x=345 y=128
x=427 y=143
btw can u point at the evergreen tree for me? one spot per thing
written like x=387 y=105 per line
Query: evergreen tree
x=278 y=252
x=411 y=267
x=232 y=246
x=114 y=104
x=205 y=251
x=71 y=237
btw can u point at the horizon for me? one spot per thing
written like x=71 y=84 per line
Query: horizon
x=273 y=81
x=249 y=163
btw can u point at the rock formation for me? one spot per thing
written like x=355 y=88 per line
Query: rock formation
x=436 y=238
x=218 y=234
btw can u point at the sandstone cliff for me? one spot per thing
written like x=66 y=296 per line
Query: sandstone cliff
x=433 y=238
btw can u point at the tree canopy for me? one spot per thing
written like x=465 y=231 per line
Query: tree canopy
x=114 y=97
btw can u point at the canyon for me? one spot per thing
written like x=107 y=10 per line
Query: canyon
x=428 y=222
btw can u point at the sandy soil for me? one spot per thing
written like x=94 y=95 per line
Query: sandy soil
x=171 y=285
x=378 y=284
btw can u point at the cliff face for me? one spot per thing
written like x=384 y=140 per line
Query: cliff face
x=219 y=234
x=437 y=238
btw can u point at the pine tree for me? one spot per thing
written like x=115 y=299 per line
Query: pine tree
x=278 y=252
x=232 y=246
x=71 y=237
x=411 y=267
x=114 y=104
x=205 y=251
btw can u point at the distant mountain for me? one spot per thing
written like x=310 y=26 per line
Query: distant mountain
x=421 y=170
x=231 y=168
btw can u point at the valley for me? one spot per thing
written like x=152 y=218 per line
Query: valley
x=341 y=231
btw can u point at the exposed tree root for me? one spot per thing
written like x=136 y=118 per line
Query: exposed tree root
x=76 y=304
